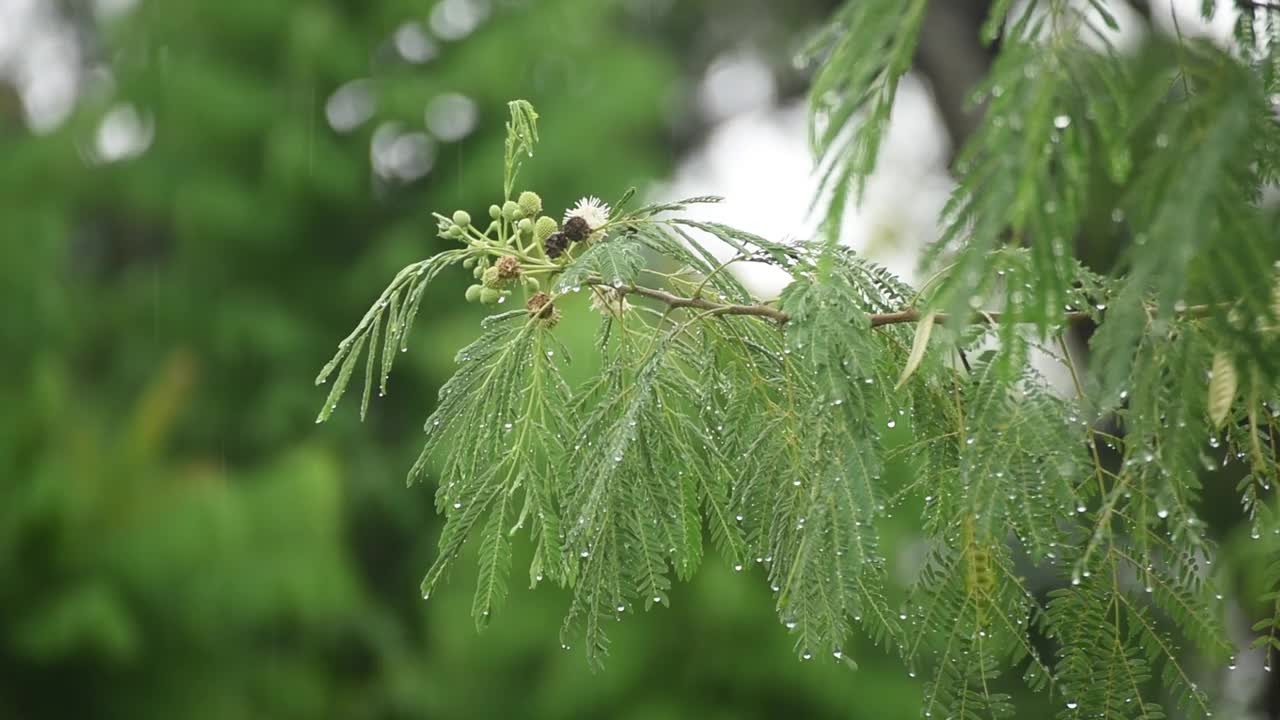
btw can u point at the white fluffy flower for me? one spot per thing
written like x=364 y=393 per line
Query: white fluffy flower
x=592 y=209
x=608 y=301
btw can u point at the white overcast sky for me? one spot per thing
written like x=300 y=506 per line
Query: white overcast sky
x=756 y=156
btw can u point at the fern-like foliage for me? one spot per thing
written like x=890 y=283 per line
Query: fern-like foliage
x=761 y=431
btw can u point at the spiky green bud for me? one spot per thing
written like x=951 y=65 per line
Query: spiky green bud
x=530 y=203
x=543 y=228
x=491 y=278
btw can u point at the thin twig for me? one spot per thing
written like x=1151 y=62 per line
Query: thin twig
x=909 y=315
x=703 y=304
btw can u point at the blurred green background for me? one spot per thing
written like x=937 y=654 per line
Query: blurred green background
x=178 y=539
x=236 y=181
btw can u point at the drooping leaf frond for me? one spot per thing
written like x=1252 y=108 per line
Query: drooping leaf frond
x=864 y=52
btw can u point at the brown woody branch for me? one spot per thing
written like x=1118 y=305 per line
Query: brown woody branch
x=909 y=315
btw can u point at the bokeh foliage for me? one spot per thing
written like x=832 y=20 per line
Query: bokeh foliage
x=177 y=538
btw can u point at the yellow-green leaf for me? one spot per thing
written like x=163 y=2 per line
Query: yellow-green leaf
x=918 y=345
x=1222 y=388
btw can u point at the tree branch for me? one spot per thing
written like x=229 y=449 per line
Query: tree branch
x=702 y=304
x=908 y=315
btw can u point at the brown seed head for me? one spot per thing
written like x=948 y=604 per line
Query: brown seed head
x=576 y=229
x=541 y=308
x=508 y=267
x=555 y=245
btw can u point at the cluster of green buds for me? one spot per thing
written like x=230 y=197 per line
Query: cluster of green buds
x=496 y=279
x=524 y=216
x=509 y=252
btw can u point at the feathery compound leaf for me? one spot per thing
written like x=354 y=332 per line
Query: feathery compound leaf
x=614 y=260
x=1026 y=178
x=522 y=135
x=864 y=52
x=395 y=310
x=496 y=436
x=834 y=342
x=793 y=430
x=677 y=206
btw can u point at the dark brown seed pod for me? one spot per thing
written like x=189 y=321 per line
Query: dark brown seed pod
x=576 y=229
x=555 y=245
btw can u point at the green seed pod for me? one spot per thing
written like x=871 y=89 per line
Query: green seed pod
x=530 y=203
x=491 y=278
x=544 y=228
x=454 y=232
x=531 y=283
x=473 y=293
x=509 y=209
x=495 y=212
x=478 y=271
x=469 y=263
x=461 y=218
x=489 y=296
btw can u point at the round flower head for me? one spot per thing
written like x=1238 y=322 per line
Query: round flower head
x=543 y=228
x=592 y=210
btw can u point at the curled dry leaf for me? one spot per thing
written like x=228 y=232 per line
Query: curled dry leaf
x=1222 y=388
x=918 y=345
